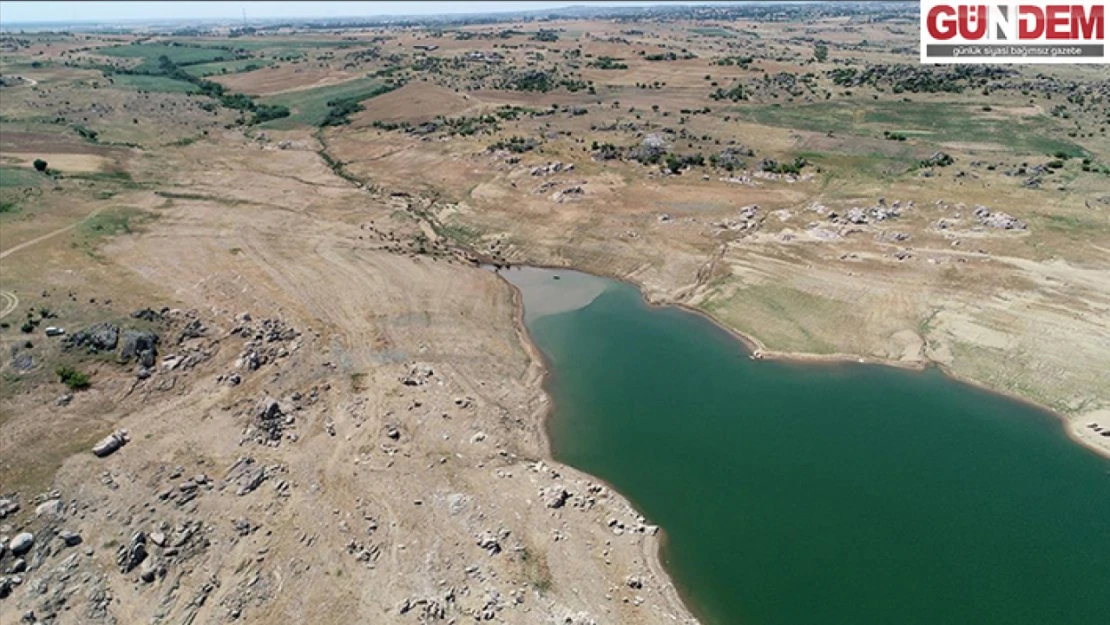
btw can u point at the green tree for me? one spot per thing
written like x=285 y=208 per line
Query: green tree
x=40 y=165
x=821 y=53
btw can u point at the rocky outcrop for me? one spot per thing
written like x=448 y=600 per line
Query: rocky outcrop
x=98 y=338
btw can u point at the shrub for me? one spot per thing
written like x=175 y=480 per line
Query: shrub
x=72 y=378
x=40 y=165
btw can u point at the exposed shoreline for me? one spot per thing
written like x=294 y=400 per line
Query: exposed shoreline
x=653 y=544
x=760 y=352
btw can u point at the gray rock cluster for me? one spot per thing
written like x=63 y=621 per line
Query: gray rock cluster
x=271 y=420
x=418 y=375
x=491 y=541
x=267 y=341
x=187 y=490
x=998 y=219
x=140 y=345
x=101 y=337
x=551 y=168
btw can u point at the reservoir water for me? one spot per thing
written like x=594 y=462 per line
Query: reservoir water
x=824 y=494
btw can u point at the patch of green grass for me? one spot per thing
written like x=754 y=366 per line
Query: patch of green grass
x=121 y=178
x=255 y=45
x=181 y=55
x=19 y=178
x=204 y=70
x=714 y=32
x=144 y=82
x=310 y=106
x=111 y=223
x=840 y=166
x=465 y=235
x=929 y=122
x=8 y=207
x=1074 y=227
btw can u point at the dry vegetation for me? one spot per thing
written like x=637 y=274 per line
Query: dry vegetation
x=798 y=177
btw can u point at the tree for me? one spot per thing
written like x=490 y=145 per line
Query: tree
x=821 y=53
x=40 y=165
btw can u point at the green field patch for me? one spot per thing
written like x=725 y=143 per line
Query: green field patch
x=1073 y=225
x=843 y=167
x=284 y=49
x=203 y=70
x=714 y=32
x=181 y=55
x=309 y=107
x=112 y=222
x=160 y=84
x=932 y=122
x=253 y=45
x=17 y=177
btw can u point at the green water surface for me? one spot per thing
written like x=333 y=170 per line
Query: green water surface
x=797 y=494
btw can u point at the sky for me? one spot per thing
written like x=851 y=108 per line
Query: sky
x=15 y=12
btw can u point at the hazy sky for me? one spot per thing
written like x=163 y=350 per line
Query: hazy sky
x=12 y=12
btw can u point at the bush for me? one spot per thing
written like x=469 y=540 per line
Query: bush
x=72 y=378
x=267 y=112
x=40 y=165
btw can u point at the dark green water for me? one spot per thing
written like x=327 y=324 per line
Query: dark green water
x=797 y=494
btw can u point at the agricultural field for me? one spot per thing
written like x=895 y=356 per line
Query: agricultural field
x=217 y=68
x=148 y=54
x=310 y=107
x=300 y=213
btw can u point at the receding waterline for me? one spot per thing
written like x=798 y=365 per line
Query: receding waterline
x=837 y=493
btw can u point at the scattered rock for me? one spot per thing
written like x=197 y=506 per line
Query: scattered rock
x=998 y=220
x=147 y=314
x=51 y=507
x=418 y=375
x=8 y=507
x=555 y=496
x=939 y=159
x=109 y=444
x=270 y=419
x=132 y=554
x=22 y=360
x=246 y=476
x=21 y=544
x=491 y=542
x=71 y=539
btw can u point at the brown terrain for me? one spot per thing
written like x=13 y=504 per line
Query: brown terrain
x=331 y=413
